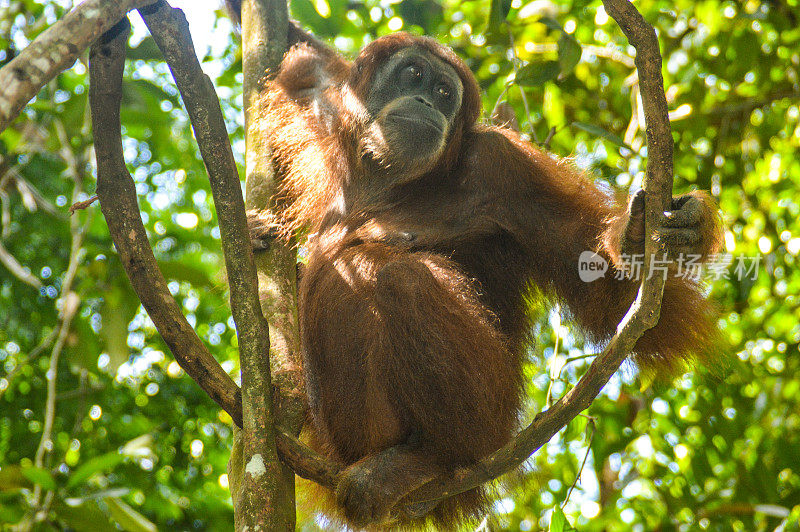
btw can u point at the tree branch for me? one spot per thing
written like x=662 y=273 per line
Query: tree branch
x=54 y=51
x=260 y=498
x=644 y=312
x=264 y=37
x=119 y=205
x=170 y=30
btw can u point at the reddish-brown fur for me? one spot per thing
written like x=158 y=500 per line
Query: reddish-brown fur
x=412 y=306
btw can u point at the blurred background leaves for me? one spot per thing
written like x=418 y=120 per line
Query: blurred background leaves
x=135 y=445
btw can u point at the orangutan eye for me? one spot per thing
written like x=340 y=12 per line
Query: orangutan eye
x=411 y=75
x=444 y=91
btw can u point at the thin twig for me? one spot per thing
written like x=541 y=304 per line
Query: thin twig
x=81 y=205
x=592 y=425
x=550 y=134
x=28 y=189
x=549 y=397
x=18 y=270
x=499 y=100
x=81 y=392
x=579 y=357
x=70 y=303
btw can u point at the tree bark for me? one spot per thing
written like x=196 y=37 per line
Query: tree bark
x=264 y=30
x=55 y=50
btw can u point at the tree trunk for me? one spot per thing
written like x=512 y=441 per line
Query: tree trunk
x=264 y=30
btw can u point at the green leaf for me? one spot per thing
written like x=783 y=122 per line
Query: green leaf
x=600 y=132
x=40 y=477
x=86 y=517
x=569 y=52
x=12 y=478
x=495 y=31
x=120 y=305
x=10 y=515
x=553 y=106
x=97 y=495
x=498 y=12
x=558 y=521
x=95 y=465
x=139 y=446
x=534 y=74
x=551 y=23
x=128 y=518
x=115 y=334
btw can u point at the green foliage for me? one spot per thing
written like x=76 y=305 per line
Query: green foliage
x=135 y=444
x=537 y=73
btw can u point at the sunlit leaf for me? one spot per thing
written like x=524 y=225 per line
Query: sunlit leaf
x=551 y=23
x=558 y=521
x=496 y=30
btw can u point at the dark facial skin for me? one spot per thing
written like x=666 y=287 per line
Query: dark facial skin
x=413 y=103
